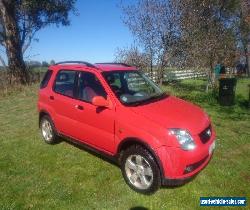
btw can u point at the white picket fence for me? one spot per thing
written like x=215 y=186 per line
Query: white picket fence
x=179 y=75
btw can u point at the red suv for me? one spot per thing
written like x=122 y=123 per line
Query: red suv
x=113 y=108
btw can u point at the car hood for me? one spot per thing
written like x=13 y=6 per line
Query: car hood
x=172 y=112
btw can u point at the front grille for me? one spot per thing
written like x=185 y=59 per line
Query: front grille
x=206 y=134
x=192 y=167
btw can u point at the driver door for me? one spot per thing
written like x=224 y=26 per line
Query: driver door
x=95 y=125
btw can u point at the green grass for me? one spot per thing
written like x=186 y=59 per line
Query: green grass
x=34 y=175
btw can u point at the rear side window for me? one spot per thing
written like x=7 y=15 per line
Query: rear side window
x=46 y=79
x=65 y=83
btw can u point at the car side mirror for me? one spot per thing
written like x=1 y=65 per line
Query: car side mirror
x=100 y=101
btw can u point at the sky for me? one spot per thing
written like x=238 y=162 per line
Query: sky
x=93 y=35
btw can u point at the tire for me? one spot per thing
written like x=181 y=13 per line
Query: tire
x=140 y=170
x=48 y=130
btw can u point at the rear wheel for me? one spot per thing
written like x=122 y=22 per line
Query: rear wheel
x=48 y=130
x=140 y=170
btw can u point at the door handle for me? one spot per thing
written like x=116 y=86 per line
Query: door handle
x=51 y=98
x=79 y=107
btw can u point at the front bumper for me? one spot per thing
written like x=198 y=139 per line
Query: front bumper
x=179 y=165
x=181 y=181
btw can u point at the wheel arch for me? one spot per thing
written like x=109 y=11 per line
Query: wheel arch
x=41 y=114
x=127 y=142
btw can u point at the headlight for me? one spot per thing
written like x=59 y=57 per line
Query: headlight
x=184 y=138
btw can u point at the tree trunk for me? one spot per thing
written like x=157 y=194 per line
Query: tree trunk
x=247 y=61
x=247 y=54
x=210 y=82
x=17 y=68
x=151 y=66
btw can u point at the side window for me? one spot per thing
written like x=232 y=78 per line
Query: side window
x=90 y=86
x=46 y=79
x=65 y=83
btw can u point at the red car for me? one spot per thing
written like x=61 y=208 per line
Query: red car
x=114 y=109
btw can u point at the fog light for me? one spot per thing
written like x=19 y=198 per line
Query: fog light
x=188 y=169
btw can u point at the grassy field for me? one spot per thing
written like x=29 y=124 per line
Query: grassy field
x=34 y=175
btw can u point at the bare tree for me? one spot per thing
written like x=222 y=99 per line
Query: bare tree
x=207 y=34
x=153 y=23
x=190 y=33
x=132 y=56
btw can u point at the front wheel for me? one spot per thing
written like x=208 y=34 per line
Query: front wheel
x=140 y=170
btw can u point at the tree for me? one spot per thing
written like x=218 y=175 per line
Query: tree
x=191 y=33
x=245 y=7
x=132 y=56
x=20 y=20
x=208 y=33
x=1 y=41
x=237 y=16
x=52 y=62
x=45 y=64
x=32 y=64
x=154 y=24
x=244 y=31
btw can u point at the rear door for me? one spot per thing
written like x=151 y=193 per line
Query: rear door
x=64 y=102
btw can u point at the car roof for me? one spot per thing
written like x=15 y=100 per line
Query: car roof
x=82 y=65
x=114 y=66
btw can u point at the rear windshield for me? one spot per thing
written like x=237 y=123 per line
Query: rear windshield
x=46 y=79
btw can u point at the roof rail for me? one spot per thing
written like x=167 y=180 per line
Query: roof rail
x=122 y=64
x=80 y=62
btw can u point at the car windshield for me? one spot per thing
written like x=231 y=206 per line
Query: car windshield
x=133 y=87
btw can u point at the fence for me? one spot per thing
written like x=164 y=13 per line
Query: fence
x=178 y=75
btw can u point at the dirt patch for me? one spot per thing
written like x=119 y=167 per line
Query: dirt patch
x=245 y=176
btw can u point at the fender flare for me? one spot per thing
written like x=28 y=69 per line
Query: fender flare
x=133 y=140
x=42 y=113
